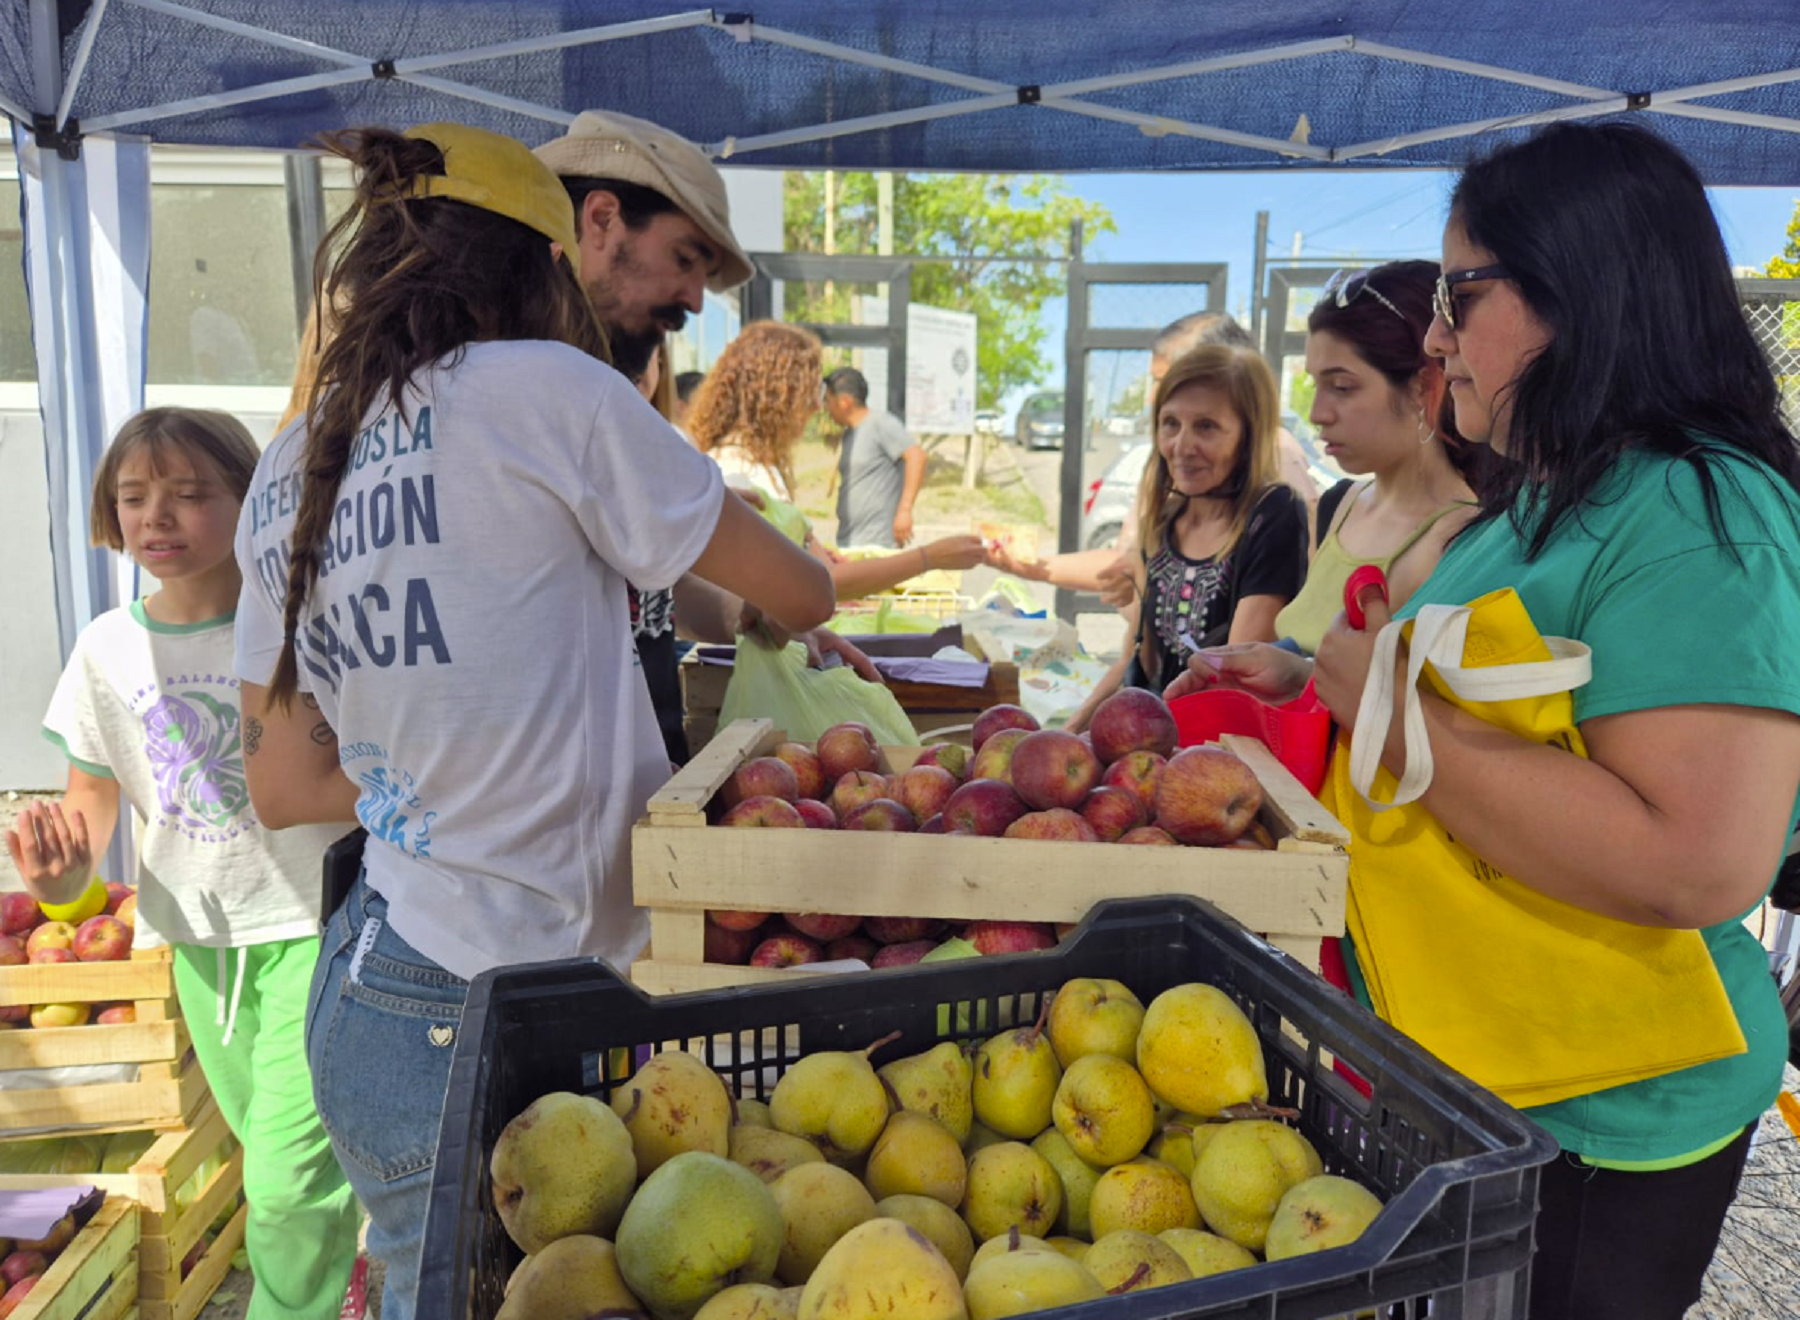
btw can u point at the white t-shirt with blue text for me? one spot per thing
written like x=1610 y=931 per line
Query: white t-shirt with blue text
x=469 y=640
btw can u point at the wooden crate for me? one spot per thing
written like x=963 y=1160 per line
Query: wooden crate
x=169 y=1231
x=96 y=1276
x=680 y=868
x=169 y=1088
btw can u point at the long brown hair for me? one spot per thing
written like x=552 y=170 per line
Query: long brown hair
x=755 y=391
x=1244 y=377
x=416 y=281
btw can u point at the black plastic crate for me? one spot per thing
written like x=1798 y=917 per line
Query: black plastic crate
x=1457 y=1167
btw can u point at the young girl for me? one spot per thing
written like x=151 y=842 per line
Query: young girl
x=1221 y=541
x=147 y=712
x=434 y=635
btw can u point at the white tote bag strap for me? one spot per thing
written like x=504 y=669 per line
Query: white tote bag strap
x=1439 y=634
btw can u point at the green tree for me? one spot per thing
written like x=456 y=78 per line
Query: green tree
x=983 y=225
x=1787 y=265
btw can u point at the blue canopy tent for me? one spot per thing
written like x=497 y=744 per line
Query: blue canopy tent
x=1003 y=85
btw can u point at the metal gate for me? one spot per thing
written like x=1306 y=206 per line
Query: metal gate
x=895 y=272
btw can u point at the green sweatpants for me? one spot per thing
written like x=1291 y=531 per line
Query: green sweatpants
x=302 y=1226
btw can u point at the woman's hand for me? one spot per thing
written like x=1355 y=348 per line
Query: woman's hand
x=1271 y=672
x=964 y=551
x=1033 y=570
x=1119 y=586
x=52 y=851
x=1341 y=668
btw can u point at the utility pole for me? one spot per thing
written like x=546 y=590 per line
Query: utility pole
x=884 y=214
x=1260 y=268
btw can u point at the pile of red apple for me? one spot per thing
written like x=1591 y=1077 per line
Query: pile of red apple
x=1121 y=781
x=28 y=936
x=25 y=1263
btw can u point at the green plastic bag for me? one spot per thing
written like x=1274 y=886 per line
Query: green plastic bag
x=775 y=684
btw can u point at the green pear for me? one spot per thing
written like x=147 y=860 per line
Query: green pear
x=673 y=1103
x=698 y=1225
x=1206 y=1253
x=1126 y=1260
x=1016 y=1074
x=1245 y=1170
x=1094 y=1016
x=917 y=1155
x=938 y=1084
x=563 y=1166
x=980 y=1134
x=768 y=1153
x=573 y=1278
x=1104 y=1110
x=1179 y=1140
x=883 y=1270
x=750 y=1301
x=1011 y=1240
x=1144 y=1194
x=819 y=1204
x=1319 y=1213
x=835 y=1100
x=753 y=1113
x=1011 y=1186
x=1199 y=1052
x=936 y=1221
x=1021 y=1282
x=1075 y=1174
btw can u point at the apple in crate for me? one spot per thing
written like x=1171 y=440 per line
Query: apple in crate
x=903 y=955
x=11 y=1013
x=731 y=919
x=763 y=813
x=950 y=756
x=116 y=894
x=59 y=1015
x=1009 y=936
x=804 y=762
x=1004 y=716
x=1154 y=835
x=50 y=935
x=983 y=806
x=127 y=912
x=1132 y=720
x=883 y=815
x=816 y=814
x=934 y=826
x=924 y=789
x=1139 y=772
x=729 y=946
x=824 y=926
x=1113 y=812
x=852 y=946
x=54 y=955
x=994 y=760
x=1052 y=769
x=15 y=1296
x=901 y=930
x=1206 y=795
x=766 y=776
x=102 y=939
x=116 y=1014
x=12 y=951
x=850 y=791
x=788 y=950
x=1058 y=825
x=18 y=913
x=22 y=1265
x=846 y=747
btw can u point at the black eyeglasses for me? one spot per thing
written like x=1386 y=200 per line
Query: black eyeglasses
x=1345 y=287
x=1441 y=301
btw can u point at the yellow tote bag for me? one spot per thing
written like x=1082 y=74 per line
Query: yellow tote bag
x=1534 y=999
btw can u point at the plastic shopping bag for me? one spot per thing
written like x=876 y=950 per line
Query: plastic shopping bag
x=775 y=684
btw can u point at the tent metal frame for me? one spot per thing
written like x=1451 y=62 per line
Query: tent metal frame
x=988 y=94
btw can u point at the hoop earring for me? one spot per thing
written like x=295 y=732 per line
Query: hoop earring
x=1427 y=432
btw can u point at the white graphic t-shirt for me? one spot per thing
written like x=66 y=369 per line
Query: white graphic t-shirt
x=155 y=706
x=470 y=642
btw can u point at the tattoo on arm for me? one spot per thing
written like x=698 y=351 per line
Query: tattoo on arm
x=321 y=733
x=253 y=731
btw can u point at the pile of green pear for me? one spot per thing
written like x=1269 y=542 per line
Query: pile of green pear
x=1107 y=1148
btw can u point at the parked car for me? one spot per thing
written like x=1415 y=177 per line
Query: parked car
x=1039 y=424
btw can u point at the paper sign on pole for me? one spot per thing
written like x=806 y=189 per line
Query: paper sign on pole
x=940 y=367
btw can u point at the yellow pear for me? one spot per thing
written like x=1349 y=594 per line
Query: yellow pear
x=563 y=1166
x=1075 y=1174
x=1072 y=1247
x=673 y=1103
x=1011 y=1186
x=819 y=1204
x=1206 y=1253
x=749 y=1301
x=696 y=1226
x=835 y=1100
x=936 y=1221
x=1104 y=1110
x=918 y=1155
x=768 y=1153
x=1021 y=1282
x=1320 y=1213
x=1011 y=1240
x=1016 y=1074
x=1199 y=1052
x=1144 y=1194
x=938 y=1084
x=1178 y=1140
x=753 y=1113
x=1245 y=1170
x=1094 y=1016
x=883 y=1270
x=573 y=1278
x=1126 y=1260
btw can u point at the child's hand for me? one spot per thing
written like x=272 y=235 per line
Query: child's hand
x=52 y=851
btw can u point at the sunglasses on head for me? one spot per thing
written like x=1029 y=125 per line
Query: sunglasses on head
x=1346 y=286
x=1442 y=301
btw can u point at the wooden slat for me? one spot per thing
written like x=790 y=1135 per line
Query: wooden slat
x=56 y=1047
x=121 y=1104
x=1299 y=812
x=680 y=936
x=163 y=1253
x=695 y=783
x=95 y=1275
x=661 y=977
x=85 y=983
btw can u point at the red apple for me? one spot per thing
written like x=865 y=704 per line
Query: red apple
x=846 y=747
x=766 y=776
x=816 y=814
x=61 y=1233
x=15 y=1296
x=727 y=919
x=1009 y=936
x=114 y=1014
x=995 y=718
x=116 y=894
x=933 y=826
x=102 y=939
x=50 y=935
x=1207 y=796
x=1139 y=772
x=903 y=955
x=19 y=912
x=10 y=1013
x=1113 y=812
x=54 y=955
x=12 y=951
x=1154 y=835
x=925 y=788
x=950 y=756
x=983 y=806
x=730 y=946
x=1051 y=768
x=883 y=814
x=22 y=1265
x=852 y=946
x=192 y=1259
x=127 y=912
x=786 y=951
x=763 y=813
x=901 y=930
x=994 y=760
x=859 y=786
x=823 y=926
x=804 y=762
x=1132 y=720
x=1059 y=824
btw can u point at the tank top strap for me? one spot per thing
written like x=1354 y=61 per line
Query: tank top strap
x=1419 y=531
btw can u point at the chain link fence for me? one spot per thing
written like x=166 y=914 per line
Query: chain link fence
x=1773 y=310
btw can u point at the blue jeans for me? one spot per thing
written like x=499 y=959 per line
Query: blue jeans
x=380 y=1030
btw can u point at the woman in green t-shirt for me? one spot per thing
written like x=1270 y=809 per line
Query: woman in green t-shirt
x=1645 y=504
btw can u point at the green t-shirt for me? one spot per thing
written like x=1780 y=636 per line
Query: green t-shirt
x=1673 y=619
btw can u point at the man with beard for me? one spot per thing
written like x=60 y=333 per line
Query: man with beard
x=654 y=228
